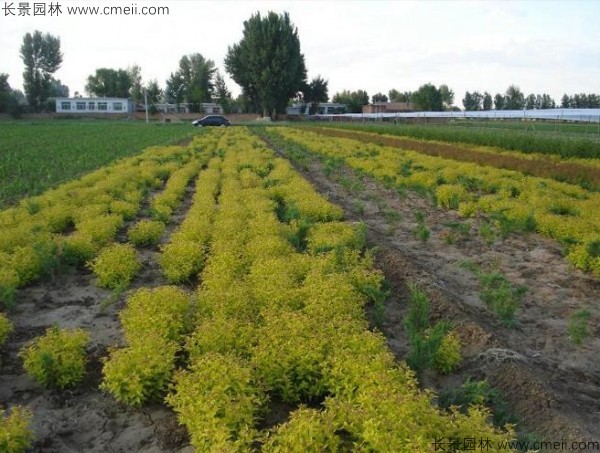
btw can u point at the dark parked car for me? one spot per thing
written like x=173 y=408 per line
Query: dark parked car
x=211 y=120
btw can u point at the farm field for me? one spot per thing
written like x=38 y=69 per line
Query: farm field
x=35 y=156
x=565 y=140
x=233 y=300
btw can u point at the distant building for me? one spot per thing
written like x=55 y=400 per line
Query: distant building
x=94 y=105
x=212 y=108
x=323 y=108
x=388 y=107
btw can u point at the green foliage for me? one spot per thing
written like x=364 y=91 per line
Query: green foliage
x=146 y=232
x=502 y=297
x=115 y=266
x=193 y=81
x=16 y=435
x=108 y=82
x=354 y=100
x=78 y=248
x=417 y=318
x=6 y=328
x=578 y=326
x=314 y=92
x=9 y=281
x=428 y=98
x=478 y=393
x=58 y=358
x=217 y=399
x=42 y=57
x=267 y=62
x=426 y=341
x=40 y=155
x=425 y=346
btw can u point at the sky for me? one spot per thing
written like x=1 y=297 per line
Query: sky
x=540 y=46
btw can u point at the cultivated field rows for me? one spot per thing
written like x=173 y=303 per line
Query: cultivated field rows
x=254 y=333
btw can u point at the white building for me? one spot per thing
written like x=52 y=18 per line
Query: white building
x=94 y=105
x=323 y=108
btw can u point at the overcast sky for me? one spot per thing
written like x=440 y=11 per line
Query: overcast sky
x=541 y=46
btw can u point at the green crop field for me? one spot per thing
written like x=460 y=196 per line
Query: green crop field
x=37 y=155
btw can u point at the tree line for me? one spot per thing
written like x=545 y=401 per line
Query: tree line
x=268 y=65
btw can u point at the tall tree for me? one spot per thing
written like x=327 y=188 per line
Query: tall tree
x=107 y=82
x=565 y=102
x=7 y=98
x=354 y=100
x=499 y=102
x=531 y=102
x=58 y=90
x=447 y=96
x=175 y=90
x=379 y=97
x=473 y=101
x=487 y=101
x=267 y=62
x=42 y=58
x=515 y=99
x=196 y=74
x=396 y=96
x=317 y=90
x=428 y=98
x=154 y=92
x=222 y=93
x=547 y=102
x=137 y=90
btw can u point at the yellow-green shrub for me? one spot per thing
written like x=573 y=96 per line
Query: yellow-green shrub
x=327 y=236
x=450 y=195
x=217 y=400
x=306 y=430
x=115 y=266
x=101 y=229
x=58 y=358
x=146 y=232
x=126 y=209
x=448 y=356
x=138 y=374
x=9 y=281
x=6 y=328
x=164 y=312
x=180 y=260
x=78 y=248
x=16 y=435
x=290 y=356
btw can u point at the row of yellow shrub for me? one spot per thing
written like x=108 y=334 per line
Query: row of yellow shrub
x=277 y=320
x=70 y=224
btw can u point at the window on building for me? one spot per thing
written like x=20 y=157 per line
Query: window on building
x=65 y=106
x=102 y=105
x=80 y=105
x=91 y=106
x=117 y=106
